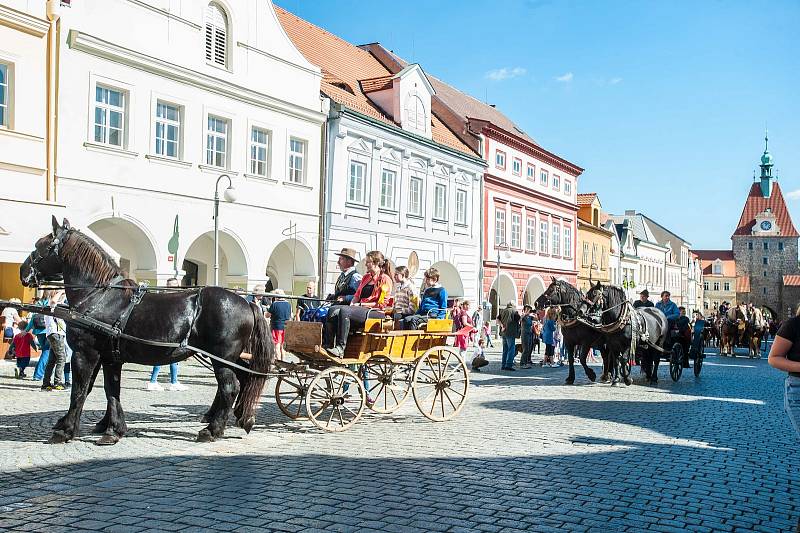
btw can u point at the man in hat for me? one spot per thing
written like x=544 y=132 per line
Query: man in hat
x=349 y=279
x=643 y=301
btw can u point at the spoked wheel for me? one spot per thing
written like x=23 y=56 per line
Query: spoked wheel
x=698 y=360
x=388 y=384
x=290 y=394
x=440 y=383
x=335 y=399
x=676 y=362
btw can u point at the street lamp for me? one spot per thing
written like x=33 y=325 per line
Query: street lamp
x=230 y=196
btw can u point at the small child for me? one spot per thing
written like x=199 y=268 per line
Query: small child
x=22 y=344
x=404 y=297
x=478 y=357
x=487 y=334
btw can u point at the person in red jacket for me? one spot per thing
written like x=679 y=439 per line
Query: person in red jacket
x=22 y=344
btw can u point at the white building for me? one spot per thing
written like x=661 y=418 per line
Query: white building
x=157 y=100
x=397 y=179
x=643 y=260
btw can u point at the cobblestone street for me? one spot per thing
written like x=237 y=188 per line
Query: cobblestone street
x=527 y=453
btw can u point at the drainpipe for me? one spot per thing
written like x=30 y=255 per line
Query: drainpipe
x=323 y=180
x=52 y=97
x=480 y=230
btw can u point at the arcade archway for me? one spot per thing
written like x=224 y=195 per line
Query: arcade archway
x=199 y=261
x=290 y=266
x=502 y=291
x=137 y=255
x=450 y=279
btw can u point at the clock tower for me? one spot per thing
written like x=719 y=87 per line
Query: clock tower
x=765 y=246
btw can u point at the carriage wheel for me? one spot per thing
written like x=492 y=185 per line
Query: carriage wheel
x=698 y=359
x=440 y=383
x=290 y=394
x=388 y=384
x=676 y=362
x=335 y=399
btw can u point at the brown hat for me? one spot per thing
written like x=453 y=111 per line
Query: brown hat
x=349 y=253
x=645 y=293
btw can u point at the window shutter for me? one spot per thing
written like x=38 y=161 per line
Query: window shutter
x=216 y=35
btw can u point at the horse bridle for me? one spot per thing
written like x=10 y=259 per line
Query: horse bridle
x=35 y=257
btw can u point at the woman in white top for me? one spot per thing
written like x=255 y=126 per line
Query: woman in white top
x=10 y=320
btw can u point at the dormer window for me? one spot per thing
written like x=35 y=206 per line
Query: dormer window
x=216 y=35
x=415 y=113
x=718 y=267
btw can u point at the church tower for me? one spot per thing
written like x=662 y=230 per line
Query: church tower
x=765 y=245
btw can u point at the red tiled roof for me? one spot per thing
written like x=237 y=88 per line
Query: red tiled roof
x=586 y=198
x=792 y=280
x=346 y=65
x=756 y=204
x=377 y=84
x=743 y=284
x=709 y=257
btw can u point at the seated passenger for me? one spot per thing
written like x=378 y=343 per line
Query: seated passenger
x=403 y=298
x=433 y=303
x=369 y=301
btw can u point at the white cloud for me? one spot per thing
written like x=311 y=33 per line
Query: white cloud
x=793 y=195
x=566 y=78
x=505 y=73
x=614 y=81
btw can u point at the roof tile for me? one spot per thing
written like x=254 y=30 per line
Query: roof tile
x=756 y=204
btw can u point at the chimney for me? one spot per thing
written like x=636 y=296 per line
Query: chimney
x=630 y=212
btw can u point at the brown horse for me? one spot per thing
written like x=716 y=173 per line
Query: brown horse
x=731 y=327
x=756 y=328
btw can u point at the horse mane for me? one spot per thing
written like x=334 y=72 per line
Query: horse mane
x=82 y=251
x=613 y=296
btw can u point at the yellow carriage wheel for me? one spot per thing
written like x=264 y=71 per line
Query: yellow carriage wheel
x=440 y=383
x=387 y=383
x=335 y=399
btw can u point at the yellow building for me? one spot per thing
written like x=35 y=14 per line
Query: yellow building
x=594 y=242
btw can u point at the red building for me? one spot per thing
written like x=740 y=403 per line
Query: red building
x=529 y=200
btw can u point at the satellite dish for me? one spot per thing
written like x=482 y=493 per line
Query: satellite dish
x=413 y=265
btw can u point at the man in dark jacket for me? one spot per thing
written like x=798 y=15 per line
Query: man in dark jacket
x=508 y=320
x=349 y=279
x=643 y=301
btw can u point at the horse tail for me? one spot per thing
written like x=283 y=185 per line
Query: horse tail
x=262 y=349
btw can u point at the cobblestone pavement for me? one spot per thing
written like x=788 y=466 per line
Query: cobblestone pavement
x=528 y=453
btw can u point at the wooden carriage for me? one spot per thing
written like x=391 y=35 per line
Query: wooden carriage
x=380 y=369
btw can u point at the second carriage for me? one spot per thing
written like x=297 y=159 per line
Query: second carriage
x=380 y=370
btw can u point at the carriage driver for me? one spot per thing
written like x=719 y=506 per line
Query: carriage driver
x=669 y=309
x=348 y=280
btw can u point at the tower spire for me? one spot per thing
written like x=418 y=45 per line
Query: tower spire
x=766 y=168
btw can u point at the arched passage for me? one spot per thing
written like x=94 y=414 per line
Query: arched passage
x=290 y=266
x=533 y=289
x=198 y=261
x=450 y=279
x=137 y=256
x=502 y=292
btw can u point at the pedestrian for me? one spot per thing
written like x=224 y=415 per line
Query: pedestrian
x=785 y=355
x=279 y=312
x=37 y=326
x=10 y=321
x=487 y=334
x=56 y=331
x=174 y=385
x=548 y=336
x=478 y=356
x=462 y=318
x=526 y=327
x=537 y=334
x=508 y=322
x=308 y=302
x=21 y=344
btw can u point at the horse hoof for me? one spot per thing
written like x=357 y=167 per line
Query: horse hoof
x=569 y=381
x=591 y=375
x=628 y=381
x=246 y=425
x=107 y=440
x=654 y=382
x=205 y=436
x=604 y=377
x=99 y=428
x=59 y=437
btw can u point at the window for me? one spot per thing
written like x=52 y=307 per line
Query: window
x=530 y=234
x=516 y=231
x=765 y=273
x=726 y=285
x=764 y=291
x=5 y=96
x=764 y=260
x=716 y=285
x=297 y=161
x=594 y=254
x=543 y=178
x=543 y=229
x=500 y=159
x=749 y=245
x=355 y=187
x=168 y=130
x=556 y=182
x=499 y=226
x=567 y=242
x=516 y=167
x=567 y=187
x=440 y=202
x=705 y=285
x=766 y=246
x=415 y=196
x=556 y=243
x=109 y=116
x=717 y=268
x=387 y=188
x=780 y=246
x=585 y=255
x=216 y=35
x=217 y=142
x=415 y=113
x=603 y=258
x=461 y=207
x=259 y=152
x=531 y=172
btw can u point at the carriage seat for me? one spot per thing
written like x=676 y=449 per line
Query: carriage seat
x=439 y=325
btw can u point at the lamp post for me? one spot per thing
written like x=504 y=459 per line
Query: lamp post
x=230 y=196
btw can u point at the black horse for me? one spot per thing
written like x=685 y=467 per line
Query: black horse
x=210 y=318
x=572 y=304
x=644 y=320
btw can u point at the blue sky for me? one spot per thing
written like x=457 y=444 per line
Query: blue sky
x=663 y=103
